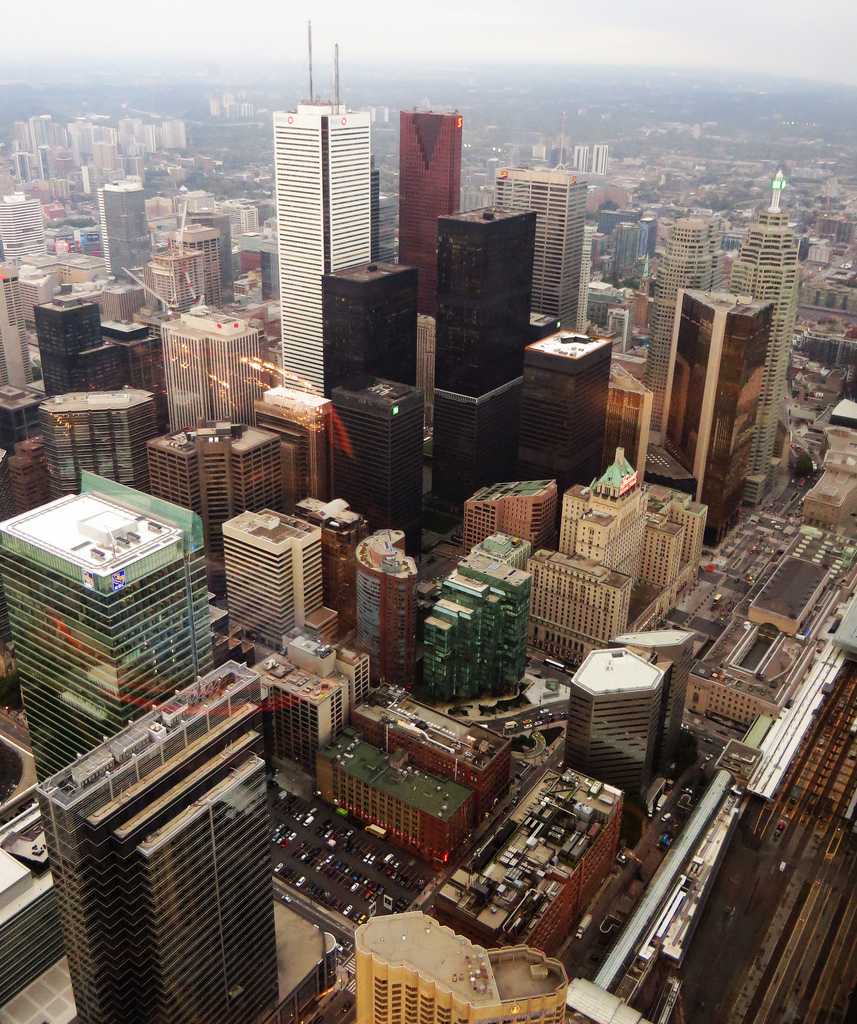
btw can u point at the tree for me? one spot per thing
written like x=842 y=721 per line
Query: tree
x=804 y=464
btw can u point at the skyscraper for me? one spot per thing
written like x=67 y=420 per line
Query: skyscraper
x=767 y=269
x=207 y=361
x=273 y=573
x=304 y=423
x=104 y=432
x=429 y=187
x=629 y=415
x=178 y=279
x=581 y=158
x=378 y=456
x=564 y=409
x=75 y=356
x=223 y=223
x=600 y=157
x=484 y=286
x=217 y=470
x=321 y=161
x=386 y=607
x=15 y=366
x=693 y=259
x=721 y=342
x=124 y=229
x=370 y=324
x=426 y=328
x=626 y=246
x=199 y=238
x=615 y=721
x=22 y=227
x=159 y=849
x=108 y=604
x=585 y=272
x=558 y=198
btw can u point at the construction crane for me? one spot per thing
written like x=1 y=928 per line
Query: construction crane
x=167 y=307
x=198 y=300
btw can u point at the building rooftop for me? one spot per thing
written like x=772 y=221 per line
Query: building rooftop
x=483 y=214
x=376 y=390
x=243 y=438
x=589 y=566
x=619 y=475
x=622 y=380
x=790 y=589
x=515 y=489
x=48 y=998
x=273 y=530
x=123 y=186
x=470 y=972
x=587 y=1003
x=88 y=401
x=515 y=875
x=334 y=515
x=300 y=948
x=192 y=713
x=370 y=271
x=499 y=572
x=726 y=302
x=99 y=536
x=616 y=671
x=844 y=413
x=467 y=740
x=440 y=798
x=277 y=671
x=13 y=398
x=292 y=398
x=656 y=638
x=381 y=551
x=658 y=497
x=570 y=345
x=202 y=321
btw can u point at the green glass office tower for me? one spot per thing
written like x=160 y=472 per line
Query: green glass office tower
x=108 y=606
x=159 y=850
x=476 y=636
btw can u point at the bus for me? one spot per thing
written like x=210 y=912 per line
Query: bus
x=553 y=663
x=376 y=830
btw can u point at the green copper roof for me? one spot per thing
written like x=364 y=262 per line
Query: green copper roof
x=616 y=472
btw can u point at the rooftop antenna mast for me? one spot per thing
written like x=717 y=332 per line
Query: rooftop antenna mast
x=309 y=54
x=336 y=75
x=561 y=165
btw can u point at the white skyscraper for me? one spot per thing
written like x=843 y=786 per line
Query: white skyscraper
x=14 y=350
x=558 y=198
x=600 y=152
x=581 y=158
x=585 y=271
x=693 y=259
x=321 y=156
x=22 y=227
x=206 y=358
x=767 y=268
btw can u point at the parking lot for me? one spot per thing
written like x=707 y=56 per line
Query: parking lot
x=338 y=863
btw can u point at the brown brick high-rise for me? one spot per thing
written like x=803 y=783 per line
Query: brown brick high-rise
x=429 y=187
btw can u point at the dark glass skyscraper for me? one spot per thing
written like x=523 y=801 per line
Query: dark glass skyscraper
x=719 y=365
x=159 y=849
x=124 y=227
x=377 y=457
x=484 y=275
x=370 y=324
x=109 y=610
x=429 y=187
x=564 y=409
x=74 y=355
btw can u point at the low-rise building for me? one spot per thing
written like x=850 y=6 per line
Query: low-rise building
x=438 y=743
x=427 y=815
x=532 y=880
x=832 y=503
x=312 y=688
x=501 y=547
x=412 y=970
x=790 y=595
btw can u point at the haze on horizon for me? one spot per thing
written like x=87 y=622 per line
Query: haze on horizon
x=778 y=37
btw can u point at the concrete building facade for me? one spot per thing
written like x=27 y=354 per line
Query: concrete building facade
x=525 y=508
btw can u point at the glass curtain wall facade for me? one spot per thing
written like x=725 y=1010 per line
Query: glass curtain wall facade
x=98 y=641
x=159 y=850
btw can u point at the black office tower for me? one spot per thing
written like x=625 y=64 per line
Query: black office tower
x=377 y=454
x=564 y=409
x=370 y=324
x=74 y=355
x=484 y=287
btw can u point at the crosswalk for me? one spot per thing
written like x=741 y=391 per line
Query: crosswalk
x=350 y=969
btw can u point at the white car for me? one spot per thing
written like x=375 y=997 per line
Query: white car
x=278 y=868
x=347 y=911
x=300 y=881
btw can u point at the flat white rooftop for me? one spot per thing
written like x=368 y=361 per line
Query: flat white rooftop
x=83 y=401
x=92 y=532
x=569 y=344
x=618 y=671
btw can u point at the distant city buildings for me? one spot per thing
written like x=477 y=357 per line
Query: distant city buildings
x=429 y=188
x=321 y=159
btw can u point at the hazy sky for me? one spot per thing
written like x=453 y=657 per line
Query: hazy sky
x=788 y=37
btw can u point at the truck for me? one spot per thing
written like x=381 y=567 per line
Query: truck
x=585 y=922
x=376 y=830
x=509 y=726
x=662 y=799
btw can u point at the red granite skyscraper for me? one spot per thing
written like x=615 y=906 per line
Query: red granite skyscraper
x=429 y=187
